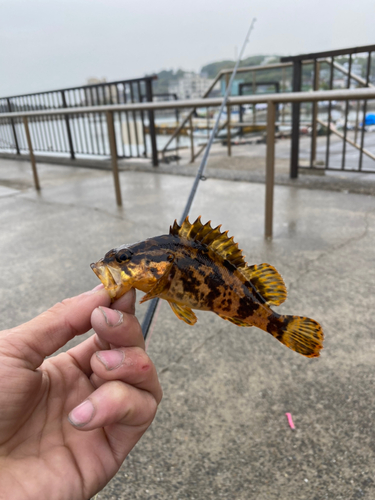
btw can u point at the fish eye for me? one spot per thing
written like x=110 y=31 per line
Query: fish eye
x=123 y=256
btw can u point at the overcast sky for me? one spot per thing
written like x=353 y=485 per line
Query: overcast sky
x=48 y=44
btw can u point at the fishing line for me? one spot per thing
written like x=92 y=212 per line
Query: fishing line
x=154 y=302
x=148 y=319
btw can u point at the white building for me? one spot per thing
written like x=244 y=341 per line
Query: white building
x=190 y=86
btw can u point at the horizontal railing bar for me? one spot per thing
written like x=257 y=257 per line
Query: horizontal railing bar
x=320 y=95
x=259 y=67
x=263 y=67
x=330 y=53
x=82 y=87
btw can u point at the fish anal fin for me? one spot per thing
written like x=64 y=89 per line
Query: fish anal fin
x=235 y=321
x=212 y=238
x=267 y=281
x=184 y=313
x=160 y=287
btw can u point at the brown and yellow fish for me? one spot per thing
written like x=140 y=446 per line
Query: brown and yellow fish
x=198 y=267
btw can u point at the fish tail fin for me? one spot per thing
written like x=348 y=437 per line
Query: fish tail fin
x=302 y=335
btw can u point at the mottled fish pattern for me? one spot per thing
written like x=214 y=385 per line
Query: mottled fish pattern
x=196 y=266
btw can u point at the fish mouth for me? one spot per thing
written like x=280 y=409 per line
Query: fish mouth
x=111 y=279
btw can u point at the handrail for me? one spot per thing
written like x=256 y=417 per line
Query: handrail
x=270 y=99
x=285 y=97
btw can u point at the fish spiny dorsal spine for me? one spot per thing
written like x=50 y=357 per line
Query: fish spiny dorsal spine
x=212 y=238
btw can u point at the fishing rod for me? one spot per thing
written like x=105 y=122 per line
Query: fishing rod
x=154 y=302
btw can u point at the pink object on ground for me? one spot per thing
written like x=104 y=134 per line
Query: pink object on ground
x=290 y=420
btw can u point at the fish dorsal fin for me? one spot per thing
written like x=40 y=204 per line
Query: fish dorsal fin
x=267 y=281
x=213 y=238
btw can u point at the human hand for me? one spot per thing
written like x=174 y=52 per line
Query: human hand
x=107 y=385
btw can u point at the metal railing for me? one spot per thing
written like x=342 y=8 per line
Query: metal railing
x=307 y=79
x=138 y=135
x=316 y=60
x=270 y=99
x=84 y=134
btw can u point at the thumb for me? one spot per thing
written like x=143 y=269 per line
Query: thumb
x=45 y=334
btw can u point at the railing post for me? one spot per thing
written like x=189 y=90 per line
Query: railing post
x=13 y=128
x=364 y=113
x=314 y=114
x=270 y=168
x=343 y=156
x=283 y=84
x=356 y=121
x=254 y=92
x=229 y=145
x=68 y=131
x=191 y=139
x=31 y=152
x=294 y=157
x=113 y=148
x=151 y=119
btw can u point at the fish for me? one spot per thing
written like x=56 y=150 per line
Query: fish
x=197 y=266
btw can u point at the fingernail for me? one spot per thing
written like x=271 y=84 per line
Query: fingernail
x=112 y=317
x=96 y=289
x=111 y=359
x=82 y=414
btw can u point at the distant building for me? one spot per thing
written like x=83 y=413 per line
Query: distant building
x=340 y=83
x=104 y=95
x=190 y=86
x=93 y=80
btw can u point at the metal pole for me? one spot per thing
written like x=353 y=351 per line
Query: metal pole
x=151 y=119
x=152 y=308
x=191 y=139
x=68 y=131
x=314 y=115
x=284 y=87
x=356 y=122
x=329 y=117
x=346 y=116
x=364 y=113
x=294 y=157
x=31 y=152
x=240 y=108
x=229 y=145
x=113 y=148
x=14 y=129
x=270 y=168
x=254 y=92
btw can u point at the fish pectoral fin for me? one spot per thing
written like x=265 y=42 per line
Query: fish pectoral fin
x=161 y=286
x=268 y=283
x=184 y=313
x=235 y=321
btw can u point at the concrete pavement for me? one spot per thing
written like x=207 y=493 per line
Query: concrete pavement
x=221 y=430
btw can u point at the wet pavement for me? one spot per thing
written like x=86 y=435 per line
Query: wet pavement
x=221 y=430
